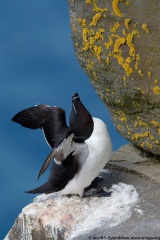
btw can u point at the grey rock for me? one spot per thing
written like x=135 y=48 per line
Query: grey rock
x=63 y=217
x=136 y=160
x=117 y=44
x=131 y=211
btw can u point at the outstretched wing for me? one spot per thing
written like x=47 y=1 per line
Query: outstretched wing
x=59 y=154
x=51 y=120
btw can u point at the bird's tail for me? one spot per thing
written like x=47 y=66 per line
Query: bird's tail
x=45 y=188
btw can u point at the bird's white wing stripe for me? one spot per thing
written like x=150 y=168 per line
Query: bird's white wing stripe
x=58 y=154
x=46 y=139
x=66 y=147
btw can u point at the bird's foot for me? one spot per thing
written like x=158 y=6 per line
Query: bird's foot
x=100 y=193
x=97 y=179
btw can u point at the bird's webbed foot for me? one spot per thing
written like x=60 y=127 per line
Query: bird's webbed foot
x=100 y=193
x=97 y=179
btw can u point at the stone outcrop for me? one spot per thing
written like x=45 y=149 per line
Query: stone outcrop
x=131 y=211
x=136 y=160
x=117 y=44
x=63 y=217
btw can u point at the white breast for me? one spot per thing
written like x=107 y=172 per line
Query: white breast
x=100 y=149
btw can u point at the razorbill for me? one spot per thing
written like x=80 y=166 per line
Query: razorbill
x=79 y=152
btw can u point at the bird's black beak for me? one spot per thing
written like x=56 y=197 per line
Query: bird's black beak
x=75 y=101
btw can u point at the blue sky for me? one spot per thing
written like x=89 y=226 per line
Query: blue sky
x=37 y=65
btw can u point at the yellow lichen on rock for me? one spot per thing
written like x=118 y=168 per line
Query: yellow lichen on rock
x=152 y=137
x=108 y=60
x=136 y=104
x=136 y=136
x=142 y=123
x=122 y=116
x=74 y=28
x=127 y=3
x=124 y=80
x=156 y=90
x=95 y=75
x=155 y=124
x=95 y=19
x=119 y=127
x=90 y=64
x=99 y=34
x=128 y=60
x=142 y=145
x=115 y=6
x=136 y=66
x=125 y=63
x=82 y=22
x=109 y=43
x=126 y=22
x=90 y=39
x=128 y=69
x=88 y=1
x=140 y=90
x=140 y=72
x=97 y=51
x=128 y=128
x=98 y=9
x=155 y=81
x=130 y=43
x=147 y=134
x=117 y=53
x=118 y=43
x=120 y=59
x=145 y=27
x=149 y=145
x=115 y=41
x=95 y=37
x=114 y=27
x=85 y=39
x=124 y=32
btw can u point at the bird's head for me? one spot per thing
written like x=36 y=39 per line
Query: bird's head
x=81 y=121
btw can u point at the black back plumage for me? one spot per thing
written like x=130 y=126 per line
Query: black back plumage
x=59 y=176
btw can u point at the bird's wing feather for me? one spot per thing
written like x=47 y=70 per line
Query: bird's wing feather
x=47 y=162
x=33 y=117
x=51 y=120
x=60 y=153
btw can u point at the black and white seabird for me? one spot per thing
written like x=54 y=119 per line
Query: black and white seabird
x=79 y=152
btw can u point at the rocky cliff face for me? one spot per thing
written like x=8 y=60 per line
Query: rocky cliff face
x=117 y=44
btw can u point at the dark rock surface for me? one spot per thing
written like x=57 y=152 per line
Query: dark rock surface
x=117 y=44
